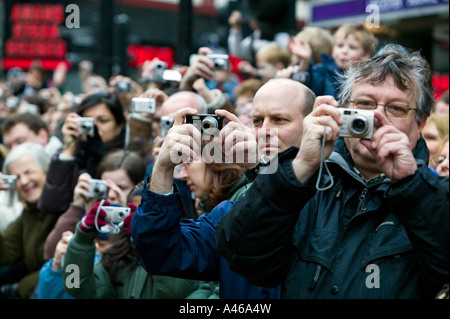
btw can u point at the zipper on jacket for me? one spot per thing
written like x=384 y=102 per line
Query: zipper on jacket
x=362 y=197
x=316 y=278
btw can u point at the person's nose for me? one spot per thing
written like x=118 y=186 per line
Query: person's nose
x=184 y=175
x=23 y=180
x=445 y=165
x=264 y=130
x=112 y=196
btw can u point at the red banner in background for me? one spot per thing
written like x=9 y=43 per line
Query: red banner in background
x=141 y=53
x=35 y=35
x=440 y=83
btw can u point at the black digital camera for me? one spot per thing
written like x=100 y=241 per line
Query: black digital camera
x=207 y=124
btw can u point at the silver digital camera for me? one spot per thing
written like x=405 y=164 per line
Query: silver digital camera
x=143 y=105
x=158 y=72
x=85 y=125
x=221 y=61
x=116 y=214
x=166 y=124
x=357 y=123
x=10 y=180
x=207 y=124
x=98 y=188
x=123 y=87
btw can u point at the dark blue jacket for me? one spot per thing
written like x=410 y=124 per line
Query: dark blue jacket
x=186 y=248
x=380 y=240
x=324 y=77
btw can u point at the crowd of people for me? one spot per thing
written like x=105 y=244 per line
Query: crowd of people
x=262 y=198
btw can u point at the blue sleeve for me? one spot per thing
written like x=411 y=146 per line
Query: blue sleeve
x=50 y=284
x=172 y=246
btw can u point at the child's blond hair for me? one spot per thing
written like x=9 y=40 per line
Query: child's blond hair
x=273 y=53
x=320 y=40
x=367 y=39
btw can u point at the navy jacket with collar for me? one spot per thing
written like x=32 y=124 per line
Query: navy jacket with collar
x=356 y=240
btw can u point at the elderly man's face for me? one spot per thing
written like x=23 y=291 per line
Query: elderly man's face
x=30 y=178
x=383 y=94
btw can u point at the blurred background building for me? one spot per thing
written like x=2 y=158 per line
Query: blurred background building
x=119 y=35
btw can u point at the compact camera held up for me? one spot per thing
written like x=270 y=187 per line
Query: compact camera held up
x=357 y=123
x=221 y=61
x=207 y=124
x=123 y=87
x=116 y=214
x=85 y=126
x=98 y=189
x=9 y=180
x=166 y=125
x=143 y=105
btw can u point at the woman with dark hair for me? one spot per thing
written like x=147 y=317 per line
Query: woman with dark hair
x=98 y=127
x=108 y=115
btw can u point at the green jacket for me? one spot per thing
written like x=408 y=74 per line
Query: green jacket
x=95 y=283
x=24 y=240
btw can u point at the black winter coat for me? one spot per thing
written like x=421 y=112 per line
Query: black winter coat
x=382 y=241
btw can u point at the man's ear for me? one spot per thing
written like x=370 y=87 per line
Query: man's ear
x=43 y=136
x=420 y=125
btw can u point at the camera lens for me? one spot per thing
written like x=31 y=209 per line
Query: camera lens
x=359 y=126
x=219 y=63
x=209 y=123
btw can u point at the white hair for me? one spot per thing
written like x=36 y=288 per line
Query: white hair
x=37 y=151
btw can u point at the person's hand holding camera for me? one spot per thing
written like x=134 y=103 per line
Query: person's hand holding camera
x=391 y=149
x=324 y=119
x=91 y=221
x=81 y=191
x=200 y=68
x=70 y=134
x=238 y=141
x=182 y=144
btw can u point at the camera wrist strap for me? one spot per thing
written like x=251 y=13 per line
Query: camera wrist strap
x=323 y=164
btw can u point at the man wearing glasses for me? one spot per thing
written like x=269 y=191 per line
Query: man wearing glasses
x=380 y=227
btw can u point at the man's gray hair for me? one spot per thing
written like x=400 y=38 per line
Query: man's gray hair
x=409 y=70
x=36 y=150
